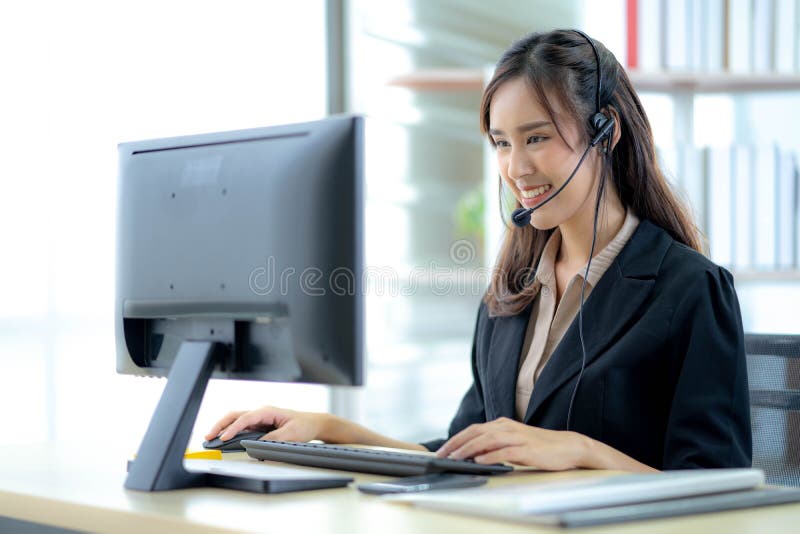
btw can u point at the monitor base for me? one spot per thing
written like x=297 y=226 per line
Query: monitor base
x=159 y=463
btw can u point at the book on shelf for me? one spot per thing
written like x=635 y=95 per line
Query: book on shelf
x=695 y=40
x=785 y=36
x=632 y=34
x=738 y=32
x=796 y=37
x=764 y=182
x=785 y=195
x=712 y=35
x=668 y=161
x=648 y=34
x=762 y=35
x=796 y=213
x=682 y=166
x=677 y=37
x=719 y=204
x=743 y=204
x=693 y=182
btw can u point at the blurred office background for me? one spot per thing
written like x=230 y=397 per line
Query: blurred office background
x=720 y=80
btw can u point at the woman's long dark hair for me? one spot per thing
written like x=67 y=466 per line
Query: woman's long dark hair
x=561 y=64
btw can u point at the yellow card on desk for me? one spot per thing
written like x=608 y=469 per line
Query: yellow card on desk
x=203 y=455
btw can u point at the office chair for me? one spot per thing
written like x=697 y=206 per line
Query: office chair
x=773 y=367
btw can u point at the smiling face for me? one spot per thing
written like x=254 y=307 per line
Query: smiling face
x=534 y=160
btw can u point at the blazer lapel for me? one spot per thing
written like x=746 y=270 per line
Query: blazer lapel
x=505 y=348
x=610 y=307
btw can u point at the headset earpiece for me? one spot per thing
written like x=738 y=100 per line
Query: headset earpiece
x=604 y=128
x=598 y=121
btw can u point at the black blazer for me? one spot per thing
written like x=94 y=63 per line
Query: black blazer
x=665 y=379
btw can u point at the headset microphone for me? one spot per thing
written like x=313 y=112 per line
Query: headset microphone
x=521 y=217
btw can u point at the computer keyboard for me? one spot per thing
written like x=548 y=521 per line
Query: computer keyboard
x=377 y=461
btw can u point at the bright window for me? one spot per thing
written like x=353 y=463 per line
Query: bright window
x=80 y=77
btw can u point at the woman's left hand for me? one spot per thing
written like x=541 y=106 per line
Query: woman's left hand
x=506 y=440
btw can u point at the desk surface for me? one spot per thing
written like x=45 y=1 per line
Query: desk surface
x=82 y=489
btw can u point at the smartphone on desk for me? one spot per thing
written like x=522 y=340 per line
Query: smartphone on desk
x=431 y=481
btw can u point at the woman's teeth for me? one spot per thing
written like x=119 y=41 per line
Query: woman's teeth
x=535 y=192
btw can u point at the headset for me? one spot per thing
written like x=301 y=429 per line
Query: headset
x=602 y=127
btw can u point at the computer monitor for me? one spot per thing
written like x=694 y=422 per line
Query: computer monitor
x=239 y=255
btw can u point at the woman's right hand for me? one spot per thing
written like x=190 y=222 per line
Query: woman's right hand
x=278 y=424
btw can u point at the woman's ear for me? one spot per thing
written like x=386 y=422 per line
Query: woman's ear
x=617 y=134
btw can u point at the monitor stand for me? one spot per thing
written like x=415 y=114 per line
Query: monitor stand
x=159 y=463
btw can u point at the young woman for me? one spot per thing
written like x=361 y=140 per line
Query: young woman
x=606 y=339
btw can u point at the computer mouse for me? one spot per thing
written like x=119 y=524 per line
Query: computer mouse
x=234 y=444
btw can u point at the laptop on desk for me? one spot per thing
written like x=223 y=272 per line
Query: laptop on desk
x=612 y=498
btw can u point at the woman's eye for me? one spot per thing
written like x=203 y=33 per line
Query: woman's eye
x=502 y=143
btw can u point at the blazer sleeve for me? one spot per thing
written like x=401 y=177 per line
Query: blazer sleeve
x=472 y=407
x=709 y=420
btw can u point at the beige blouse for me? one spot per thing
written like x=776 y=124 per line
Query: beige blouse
x=549 y=320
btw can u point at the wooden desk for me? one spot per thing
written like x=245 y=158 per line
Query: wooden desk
x=81 y=489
